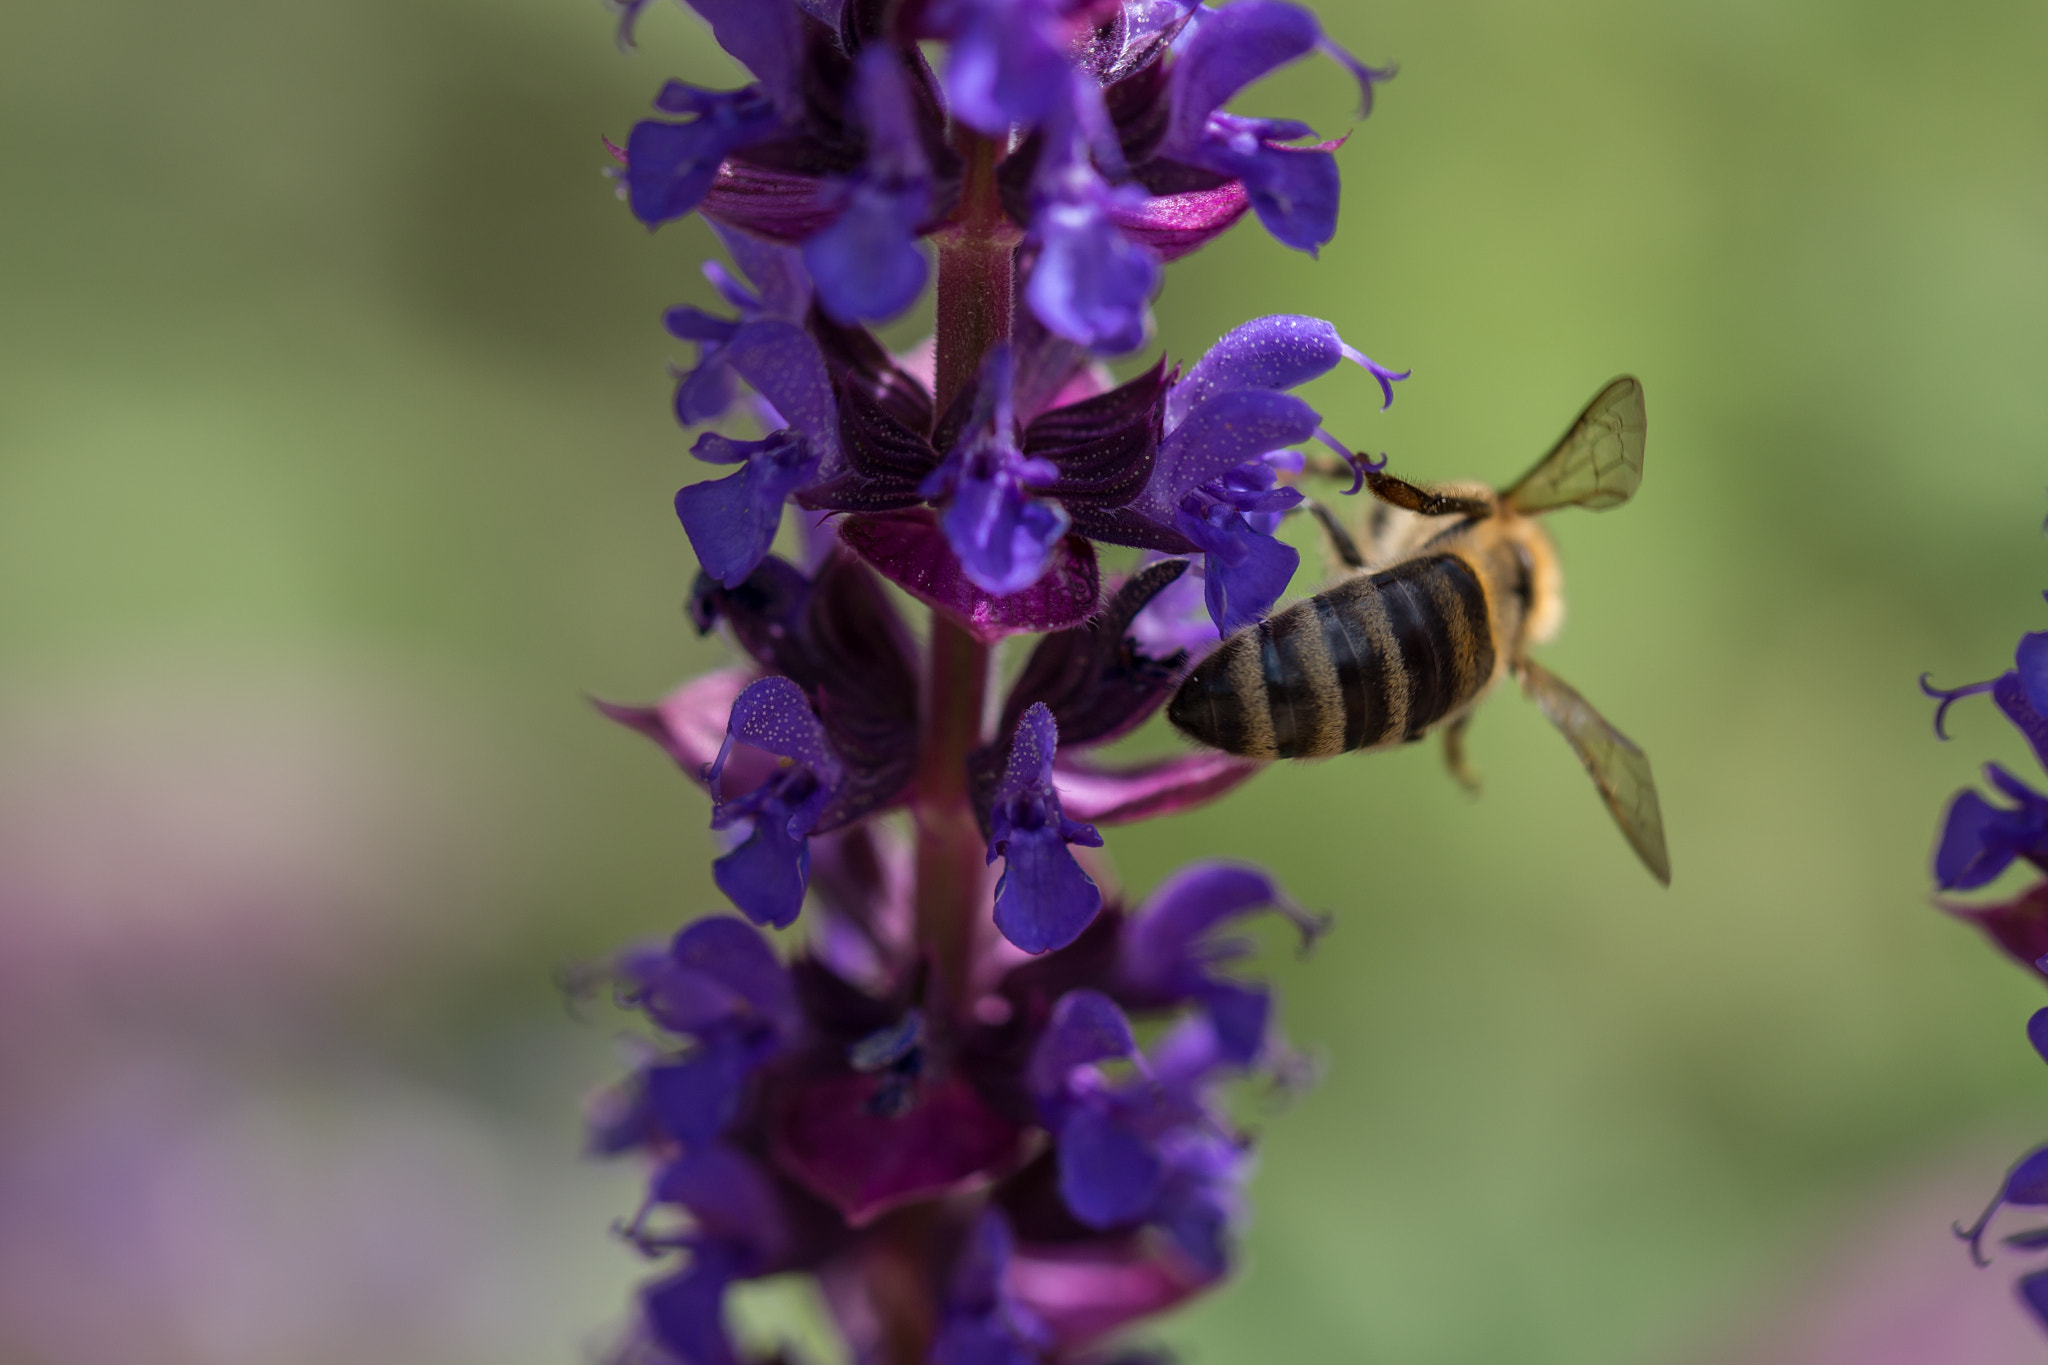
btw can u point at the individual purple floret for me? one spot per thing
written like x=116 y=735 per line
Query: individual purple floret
x=867 y=263
x=1171 y=954
x=1293 y=190
x=1981 y=840
x=732 y=521
x=1003 y=533
x=1148 y=1149
x=767 y=874
x=780 y=289
x=1044 y=900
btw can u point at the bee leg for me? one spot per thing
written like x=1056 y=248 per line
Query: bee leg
x=1454 y=755
x=1340 y=539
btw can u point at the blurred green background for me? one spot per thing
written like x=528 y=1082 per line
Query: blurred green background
x=335 y=466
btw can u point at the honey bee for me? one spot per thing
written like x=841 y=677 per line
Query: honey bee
x=1459 y=583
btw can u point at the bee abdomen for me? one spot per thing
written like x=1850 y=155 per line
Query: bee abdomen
x=1376 y=660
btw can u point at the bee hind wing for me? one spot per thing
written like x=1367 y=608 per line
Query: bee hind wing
x=1597 y=464
x=1618 y=768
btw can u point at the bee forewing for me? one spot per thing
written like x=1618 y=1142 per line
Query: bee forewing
x=1619 y=769
x=1598 y=464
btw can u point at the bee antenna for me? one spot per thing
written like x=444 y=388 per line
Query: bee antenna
x=1949 y=697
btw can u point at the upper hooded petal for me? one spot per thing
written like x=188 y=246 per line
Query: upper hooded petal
x=784 y=366
x=766 y=37
x=1220 y=433
x=1276 y=352
x=1229 y=49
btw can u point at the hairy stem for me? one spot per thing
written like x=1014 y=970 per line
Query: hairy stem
x=951 y=854
x=976 y=250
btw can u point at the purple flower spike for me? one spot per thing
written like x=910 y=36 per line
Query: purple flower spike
x=1170 y=953
x=867 y=264
x=766 y=876
x=1044 y=900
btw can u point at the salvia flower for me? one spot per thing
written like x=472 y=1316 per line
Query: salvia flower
x=1980 y=839
x=1044 y=900
x=934 y=1102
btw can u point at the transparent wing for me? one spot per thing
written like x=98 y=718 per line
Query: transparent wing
x=1619 y=769
x=1598 y=464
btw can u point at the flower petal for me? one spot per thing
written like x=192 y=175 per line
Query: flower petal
x=2019 y=927
x=1976 y=845
x=686 y=1313
x=693 y=1100
x=1277 y=352
x=689 y=725
x=730 y=1198
x=1219 y=434
x=911 y=551
x=1245 y=571
x=1173 y=225
x=1229 y=49
x=732 y=521
x=773 y=714
x=671 y=167
x=1109 y=1175
x=767 y=874
x=767 y=37
x=1091 y=284
x=1084 y=1292
x=784 y=366
x=829 y=1138
x=1044 y=900
x=1120 y=796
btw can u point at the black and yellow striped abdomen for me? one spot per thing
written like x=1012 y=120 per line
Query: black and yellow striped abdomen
x=1375 y=660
